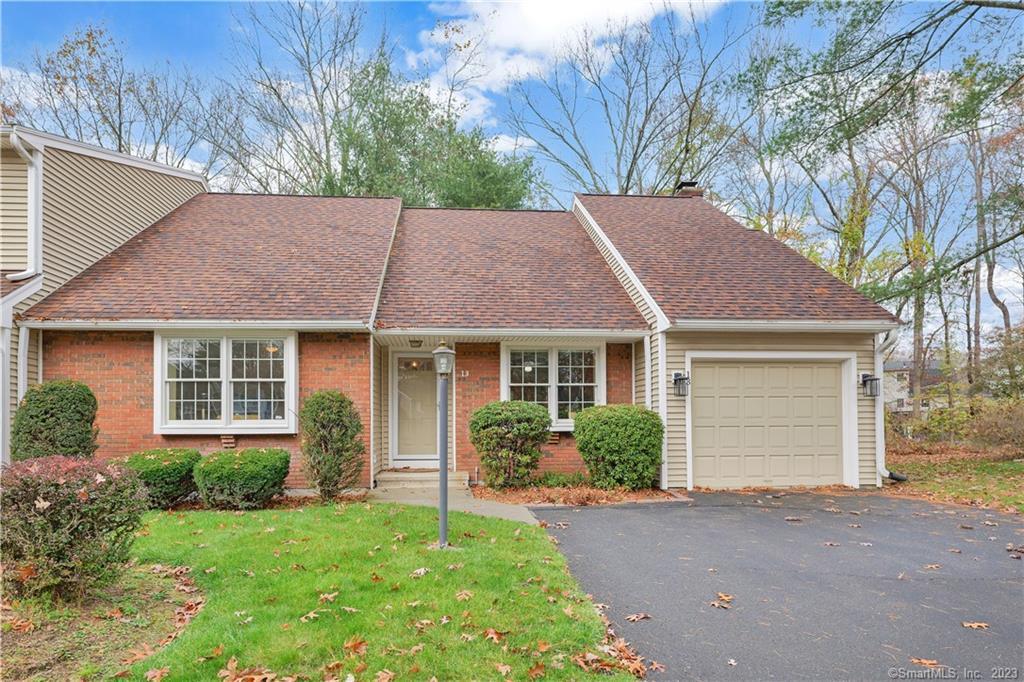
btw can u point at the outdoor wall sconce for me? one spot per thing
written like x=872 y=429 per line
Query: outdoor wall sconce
x=872 y=385
x=681 y=383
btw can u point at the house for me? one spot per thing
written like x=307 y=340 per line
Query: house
x=898 y=394
x=209 y=327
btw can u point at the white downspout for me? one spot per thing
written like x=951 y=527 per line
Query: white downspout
x=5 y=402
x=880 y=469
x=23 y=341
x=648 y=401
x=34 y=256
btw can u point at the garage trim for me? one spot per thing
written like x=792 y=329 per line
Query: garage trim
x=848 y=399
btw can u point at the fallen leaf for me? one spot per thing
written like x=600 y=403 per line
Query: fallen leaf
x=384 y=676
x=536 y=671
x=794 y=519
x=657 y=667
x=328 y=597
x=637 y=617
x=494 y=635
x=22 y=625
x=419 y=572
x=720 y=604
x=463 y=595
x=722 y=596
x=136 y=655
x=503 y=668
x=975 y=626
x=925 y=662
x=356 y=646
x=854 y=525
x=542 y=646
x=157 y=674
x=831 y=544
x=932 y=567
x=731 y=661
x=956 y=551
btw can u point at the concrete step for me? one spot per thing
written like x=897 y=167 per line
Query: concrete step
x=420 y=479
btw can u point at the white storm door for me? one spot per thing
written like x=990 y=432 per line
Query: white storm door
x=416 y=411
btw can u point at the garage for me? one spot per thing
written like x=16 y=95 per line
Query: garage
x=763 y=423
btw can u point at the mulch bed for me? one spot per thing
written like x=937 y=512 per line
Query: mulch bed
x=575 y=496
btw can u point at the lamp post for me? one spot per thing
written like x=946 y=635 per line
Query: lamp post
x=444 y=360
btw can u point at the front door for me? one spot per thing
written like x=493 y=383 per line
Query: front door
x=416 y=397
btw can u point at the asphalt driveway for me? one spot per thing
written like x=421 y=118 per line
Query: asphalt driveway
x=854 y=589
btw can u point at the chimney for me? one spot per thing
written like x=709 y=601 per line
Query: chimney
x=688 y=188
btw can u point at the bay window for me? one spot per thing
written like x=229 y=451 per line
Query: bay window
x=564 y=378
x=225 y=383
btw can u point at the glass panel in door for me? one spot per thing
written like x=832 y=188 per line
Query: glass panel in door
x=417 y=408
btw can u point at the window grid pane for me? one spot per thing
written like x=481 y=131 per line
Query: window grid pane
x=528 y=376
x=257 y=379
x=193 y=380
x=577 y=382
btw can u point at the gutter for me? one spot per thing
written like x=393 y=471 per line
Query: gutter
x=34 y=161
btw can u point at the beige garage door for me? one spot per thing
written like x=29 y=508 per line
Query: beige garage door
x=766 y=424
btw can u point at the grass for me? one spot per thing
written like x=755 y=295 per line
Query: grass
x=949 y=472
x=287 y=590
x=47 y=641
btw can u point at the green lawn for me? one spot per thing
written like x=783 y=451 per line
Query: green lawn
x=287 y=589
x=995 y=483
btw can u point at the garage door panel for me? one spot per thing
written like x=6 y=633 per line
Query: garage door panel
x=766 y=423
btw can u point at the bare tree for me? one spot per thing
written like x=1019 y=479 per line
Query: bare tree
x=86 y=90
x=273 y=120
x=632 y=113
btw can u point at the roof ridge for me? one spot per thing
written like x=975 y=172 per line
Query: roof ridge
x=304 y=196
x=495 y=210
x=640 y=196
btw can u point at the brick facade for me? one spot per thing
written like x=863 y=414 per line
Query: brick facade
x=118 y=367
x=478 y=369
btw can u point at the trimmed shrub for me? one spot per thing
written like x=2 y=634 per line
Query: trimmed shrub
x=68 y=524
x=620 y=444
x=55 y=418
x=166 y=473
x=508 y=436
x=241 y=479
x=558 y=479
x=332 y=450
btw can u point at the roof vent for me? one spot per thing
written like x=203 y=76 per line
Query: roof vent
x=688 y=188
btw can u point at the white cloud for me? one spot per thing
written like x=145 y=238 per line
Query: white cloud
x=514 y=40
x=509 y=144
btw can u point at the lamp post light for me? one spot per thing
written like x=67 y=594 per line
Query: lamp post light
x=444 y=360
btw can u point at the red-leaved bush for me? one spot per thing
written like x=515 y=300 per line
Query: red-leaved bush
x=68 y=524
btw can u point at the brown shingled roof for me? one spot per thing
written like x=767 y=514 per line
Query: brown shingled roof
x=240 y=256
x=698 y=263
x=500 y=269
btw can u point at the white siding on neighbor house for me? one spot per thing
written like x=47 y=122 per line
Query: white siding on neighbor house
x=616 y=268
x=13 y=211
x=679 y=343
x=90 y=207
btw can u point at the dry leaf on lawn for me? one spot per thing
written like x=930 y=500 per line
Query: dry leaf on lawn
x=463 y=595
x=157 y=674
x=536 y=671
x=503 y=668
x=494 y=635
x=356 y=646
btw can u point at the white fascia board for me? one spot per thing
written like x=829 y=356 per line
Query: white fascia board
x=15 y=297
x=41 y=139
x=837 y=326
x=294 y=325
x=456 y=331
x=662 y=319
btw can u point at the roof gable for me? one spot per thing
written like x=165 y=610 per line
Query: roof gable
x=700 y=264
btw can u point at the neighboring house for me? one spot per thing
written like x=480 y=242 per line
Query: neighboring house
x=209 y=328
x=63 y=206
x=898 y=395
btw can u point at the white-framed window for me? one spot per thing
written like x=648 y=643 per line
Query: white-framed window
x=215 y=382
x=565 y=378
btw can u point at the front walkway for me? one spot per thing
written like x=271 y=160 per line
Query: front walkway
x=459 y=499
x=852 y=586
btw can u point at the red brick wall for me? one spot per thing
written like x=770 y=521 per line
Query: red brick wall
x=478 y=369
x=118 y=367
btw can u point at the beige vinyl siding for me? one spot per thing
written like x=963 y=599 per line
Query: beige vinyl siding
x=90 y=207
x=616 y=268
x=639 y=374
x=13 y=211
x=678 y=343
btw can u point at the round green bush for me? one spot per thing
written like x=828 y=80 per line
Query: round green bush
x=55 y=418
x=166 y=473
x=241 y=479
x=68 y=524
x=620 y=444
x=508 y=435
x=331 y=447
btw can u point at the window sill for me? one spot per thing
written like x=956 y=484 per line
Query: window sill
x=557 y=427
x=233 y=430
